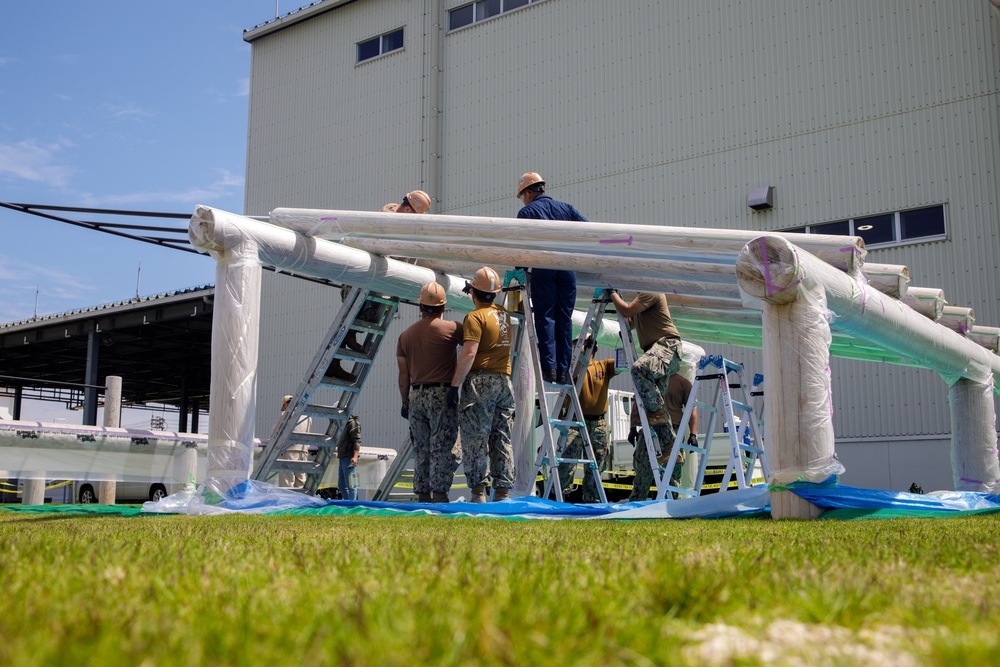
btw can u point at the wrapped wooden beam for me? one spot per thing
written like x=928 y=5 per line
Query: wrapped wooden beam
x=988 y=337
x=890 y=279
x=928 y=301
x=958 y=319
x=973 y=420
x=581 y=238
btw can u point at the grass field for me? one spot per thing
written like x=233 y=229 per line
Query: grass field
x=298 y=590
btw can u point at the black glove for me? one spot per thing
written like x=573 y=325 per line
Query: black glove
x=693 y=440
x=404 y=412
x=632 y=434
x=451 y=398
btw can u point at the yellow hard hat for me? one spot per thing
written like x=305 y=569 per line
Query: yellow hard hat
x=486 y=280
x=432 y=294
x=418 y=200
x=389 y=208
x=527 y=180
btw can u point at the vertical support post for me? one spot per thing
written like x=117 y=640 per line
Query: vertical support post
x=235 y=338
x=182 y=417
x=33 y=492
x=974 y=462
x=195 y=412
x=793 y=393
x=18 y=396
x=90 y=393
x=113 y=418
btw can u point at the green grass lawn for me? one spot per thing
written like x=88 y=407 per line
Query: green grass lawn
x=315 y=590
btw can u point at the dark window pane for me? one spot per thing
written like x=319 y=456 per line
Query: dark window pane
x=922 y=222
x=876 y=229
x=487 y=8
x=392 y=41
x=460 y=17
x=513 y=4
x=797 y=230
x=841 y=228
x=368 y=49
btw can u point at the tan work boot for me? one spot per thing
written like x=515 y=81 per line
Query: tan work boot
x=478 y=494
x=437 y=497
x=423 y=497
x=658 y=418
x=500 y=493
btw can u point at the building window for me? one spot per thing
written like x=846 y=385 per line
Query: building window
x=377 y=46
x=887 y=229
x=474 y=12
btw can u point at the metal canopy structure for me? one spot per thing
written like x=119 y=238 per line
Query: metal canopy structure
x=159 y=345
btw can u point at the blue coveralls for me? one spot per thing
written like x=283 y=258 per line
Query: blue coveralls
x=553 y=292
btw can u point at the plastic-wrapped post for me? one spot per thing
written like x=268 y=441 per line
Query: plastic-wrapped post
x=107 y=490
x=798 y=412
x=974 y=462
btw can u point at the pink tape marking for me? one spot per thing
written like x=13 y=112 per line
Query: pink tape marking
x=627 y=241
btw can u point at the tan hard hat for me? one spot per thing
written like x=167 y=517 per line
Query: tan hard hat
x=419 y=201
x=486 y=280
x=287 y=398
x=389 y=208
x=527 y=180
x=432 y=294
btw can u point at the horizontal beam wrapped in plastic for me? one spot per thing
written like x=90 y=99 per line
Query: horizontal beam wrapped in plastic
x=957 y=318
x=988 y=337
x=890 y=279
x=772 y=268
x=580 y=238
x=928 y=301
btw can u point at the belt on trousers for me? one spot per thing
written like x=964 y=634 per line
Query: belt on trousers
x=429 y=385
x=592 y=418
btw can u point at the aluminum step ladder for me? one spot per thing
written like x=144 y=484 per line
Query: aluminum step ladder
x=549 y=456
x=746 y=448
x=653 y=446
x=366 y=316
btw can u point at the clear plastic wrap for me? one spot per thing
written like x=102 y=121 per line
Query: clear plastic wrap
x=974 y=462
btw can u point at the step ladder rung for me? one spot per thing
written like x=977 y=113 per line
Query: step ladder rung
x=566 y=423
x=339 y=384
x=366 y=327
x=312 y=439
x=307 y=467
x=586 y=462
x=350 y=355
x=327 y=412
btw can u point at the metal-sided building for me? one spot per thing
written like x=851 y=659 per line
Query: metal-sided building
x=880 y=119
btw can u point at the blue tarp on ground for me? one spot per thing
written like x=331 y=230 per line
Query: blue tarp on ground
x=257 y=497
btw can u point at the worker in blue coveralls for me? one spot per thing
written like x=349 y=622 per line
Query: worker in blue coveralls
x=553 y=292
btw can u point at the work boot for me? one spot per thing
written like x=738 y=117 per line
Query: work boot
x=500 y=493
x=352 y=344
x=549 y=376
x=658 y=418
x=437 y=497
x=337 y=373
x=423 y=497
x=478 y=494
x=562 y=377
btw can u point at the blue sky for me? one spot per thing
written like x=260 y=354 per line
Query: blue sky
x=131 y=104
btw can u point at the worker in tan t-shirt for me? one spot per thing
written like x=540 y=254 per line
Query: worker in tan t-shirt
x=486 y=409
x=661 y=355
x=425 y=355
x=594 y=403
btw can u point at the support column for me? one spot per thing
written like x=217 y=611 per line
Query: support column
x=974 y=462
x=182 y=417
x=18 y=397
x=113 y=418
x=33 y=492
x=195 y=413
x=90 y=393
x=235 y=337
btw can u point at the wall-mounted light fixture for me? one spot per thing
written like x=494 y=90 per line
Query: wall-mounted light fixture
x=762 y=198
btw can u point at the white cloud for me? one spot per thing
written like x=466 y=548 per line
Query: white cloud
x=224 y=186
x=243 y=88
x=8 y=61
x=127 y=111
x=33 y=162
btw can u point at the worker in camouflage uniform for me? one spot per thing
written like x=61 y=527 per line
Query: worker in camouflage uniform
x=425 y=355
x=594 y=403
x=348 y=453
x=486 y=408
x=661 y=357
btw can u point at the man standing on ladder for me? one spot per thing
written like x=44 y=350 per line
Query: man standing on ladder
x=661 y=356
x=299 y=452
x=486 y=409
x=594 y=402
x=425 y=355
x=553 y=292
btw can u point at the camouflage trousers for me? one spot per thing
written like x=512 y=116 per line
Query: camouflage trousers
x=651 y=372
x=485 y=419
x=434 y=433
x=600 y=438
x=293 y=480
x=663 y=441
